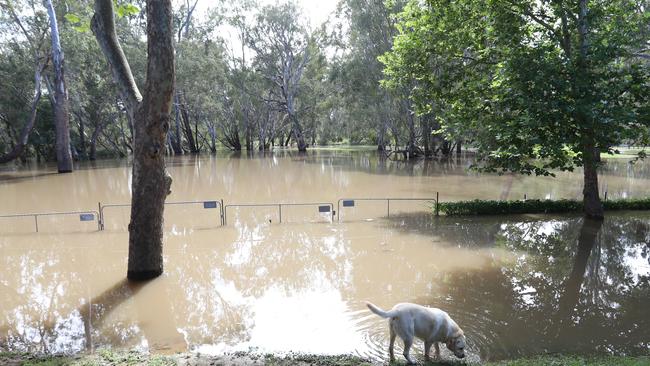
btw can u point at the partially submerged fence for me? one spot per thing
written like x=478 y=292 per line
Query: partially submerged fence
x=323 y=210
x=347 y=203
x=210 y=204
x=84 y=216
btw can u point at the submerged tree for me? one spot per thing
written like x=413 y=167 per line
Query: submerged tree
x=151 y=115
x=539 y=85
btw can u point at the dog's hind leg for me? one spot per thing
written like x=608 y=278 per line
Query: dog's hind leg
x=391 y=345
x=406 y=331
x=437 y=349
x=408 y=342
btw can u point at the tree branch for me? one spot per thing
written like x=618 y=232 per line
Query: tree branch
x=103 y=26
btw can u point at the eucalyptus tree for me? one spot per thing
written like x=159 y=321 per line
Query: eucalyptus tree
x=61 y=114
x=540 y=86
x=281 y=46
x=151 y=115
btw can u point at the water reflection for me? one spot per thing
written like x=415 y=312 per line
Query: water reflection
x=576 y=286
x=518 y=286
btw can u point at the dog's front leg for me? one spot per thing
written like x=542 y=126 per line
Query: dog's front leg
x=437 y=349
x=427 y=348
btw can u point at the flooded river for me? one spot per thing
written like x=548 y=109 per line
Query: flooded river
x=517 y=285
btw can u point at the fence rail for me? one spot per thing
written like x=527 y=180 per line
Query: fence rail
x=83 y=216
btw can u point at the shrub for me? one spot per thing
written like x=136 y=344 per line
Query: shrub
x=490 y=207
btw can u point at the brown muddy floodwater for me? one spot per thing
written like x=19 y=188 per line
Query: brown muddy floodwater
x=517 y=285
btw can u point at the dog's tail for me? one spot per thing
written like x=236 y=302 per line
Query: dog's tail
x=375 y=309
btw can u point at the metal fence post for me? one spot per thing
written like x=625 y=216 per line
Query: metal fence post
x=437 y=199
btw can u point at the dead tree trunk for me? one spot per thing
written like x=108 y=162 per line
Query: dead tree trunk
x=150 y=184
x=61 y=118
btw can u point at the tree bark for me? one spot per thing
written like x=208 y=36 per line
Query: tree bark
x=150 y=182
x=17 y=150
x=591 y=199
x=61 y=117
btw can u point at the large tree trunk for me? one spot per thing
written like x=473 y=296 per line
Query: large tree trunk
x=61 y=118
x=582 y=88
x=150 y=183
x=591 y=198
x=17 y=149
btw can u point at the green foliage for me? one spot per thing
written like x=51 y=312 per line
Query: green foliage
x=511 y=75
x=492 y=207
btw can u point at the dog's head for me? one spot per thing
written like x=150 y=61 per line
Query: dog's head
x=456 y=344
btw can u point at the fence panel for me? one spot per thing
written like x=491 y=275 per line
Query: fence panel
x=50 y=222
x=178 y=215
x=371 y=208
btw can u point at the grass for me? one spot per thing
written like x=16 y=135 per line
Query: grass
x=564 y=360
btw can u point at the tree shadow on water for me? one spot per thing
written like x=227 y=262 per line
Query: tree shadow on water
x=153 y=314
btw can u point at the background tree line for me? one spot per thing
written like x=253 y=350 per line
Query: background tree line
x=532 y=87
x=278 y=81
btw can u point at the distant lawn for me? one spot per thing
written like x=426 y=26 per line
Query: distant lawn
x=558 y=360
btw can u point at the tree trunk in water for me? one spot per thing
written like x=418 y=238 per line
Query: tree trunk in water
x=591 y=198
x=458 y=147
x=61 y=118
x=17 y=150
x=298 y=135
x=150 y=183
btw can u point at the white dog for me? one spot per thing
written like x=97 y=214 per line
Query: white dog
x=429 y=324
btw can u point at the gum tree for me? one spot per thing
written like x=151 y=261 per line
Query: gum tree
x=281 y=46
x=151 y=115
x=540 y=85
x=61 y=115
